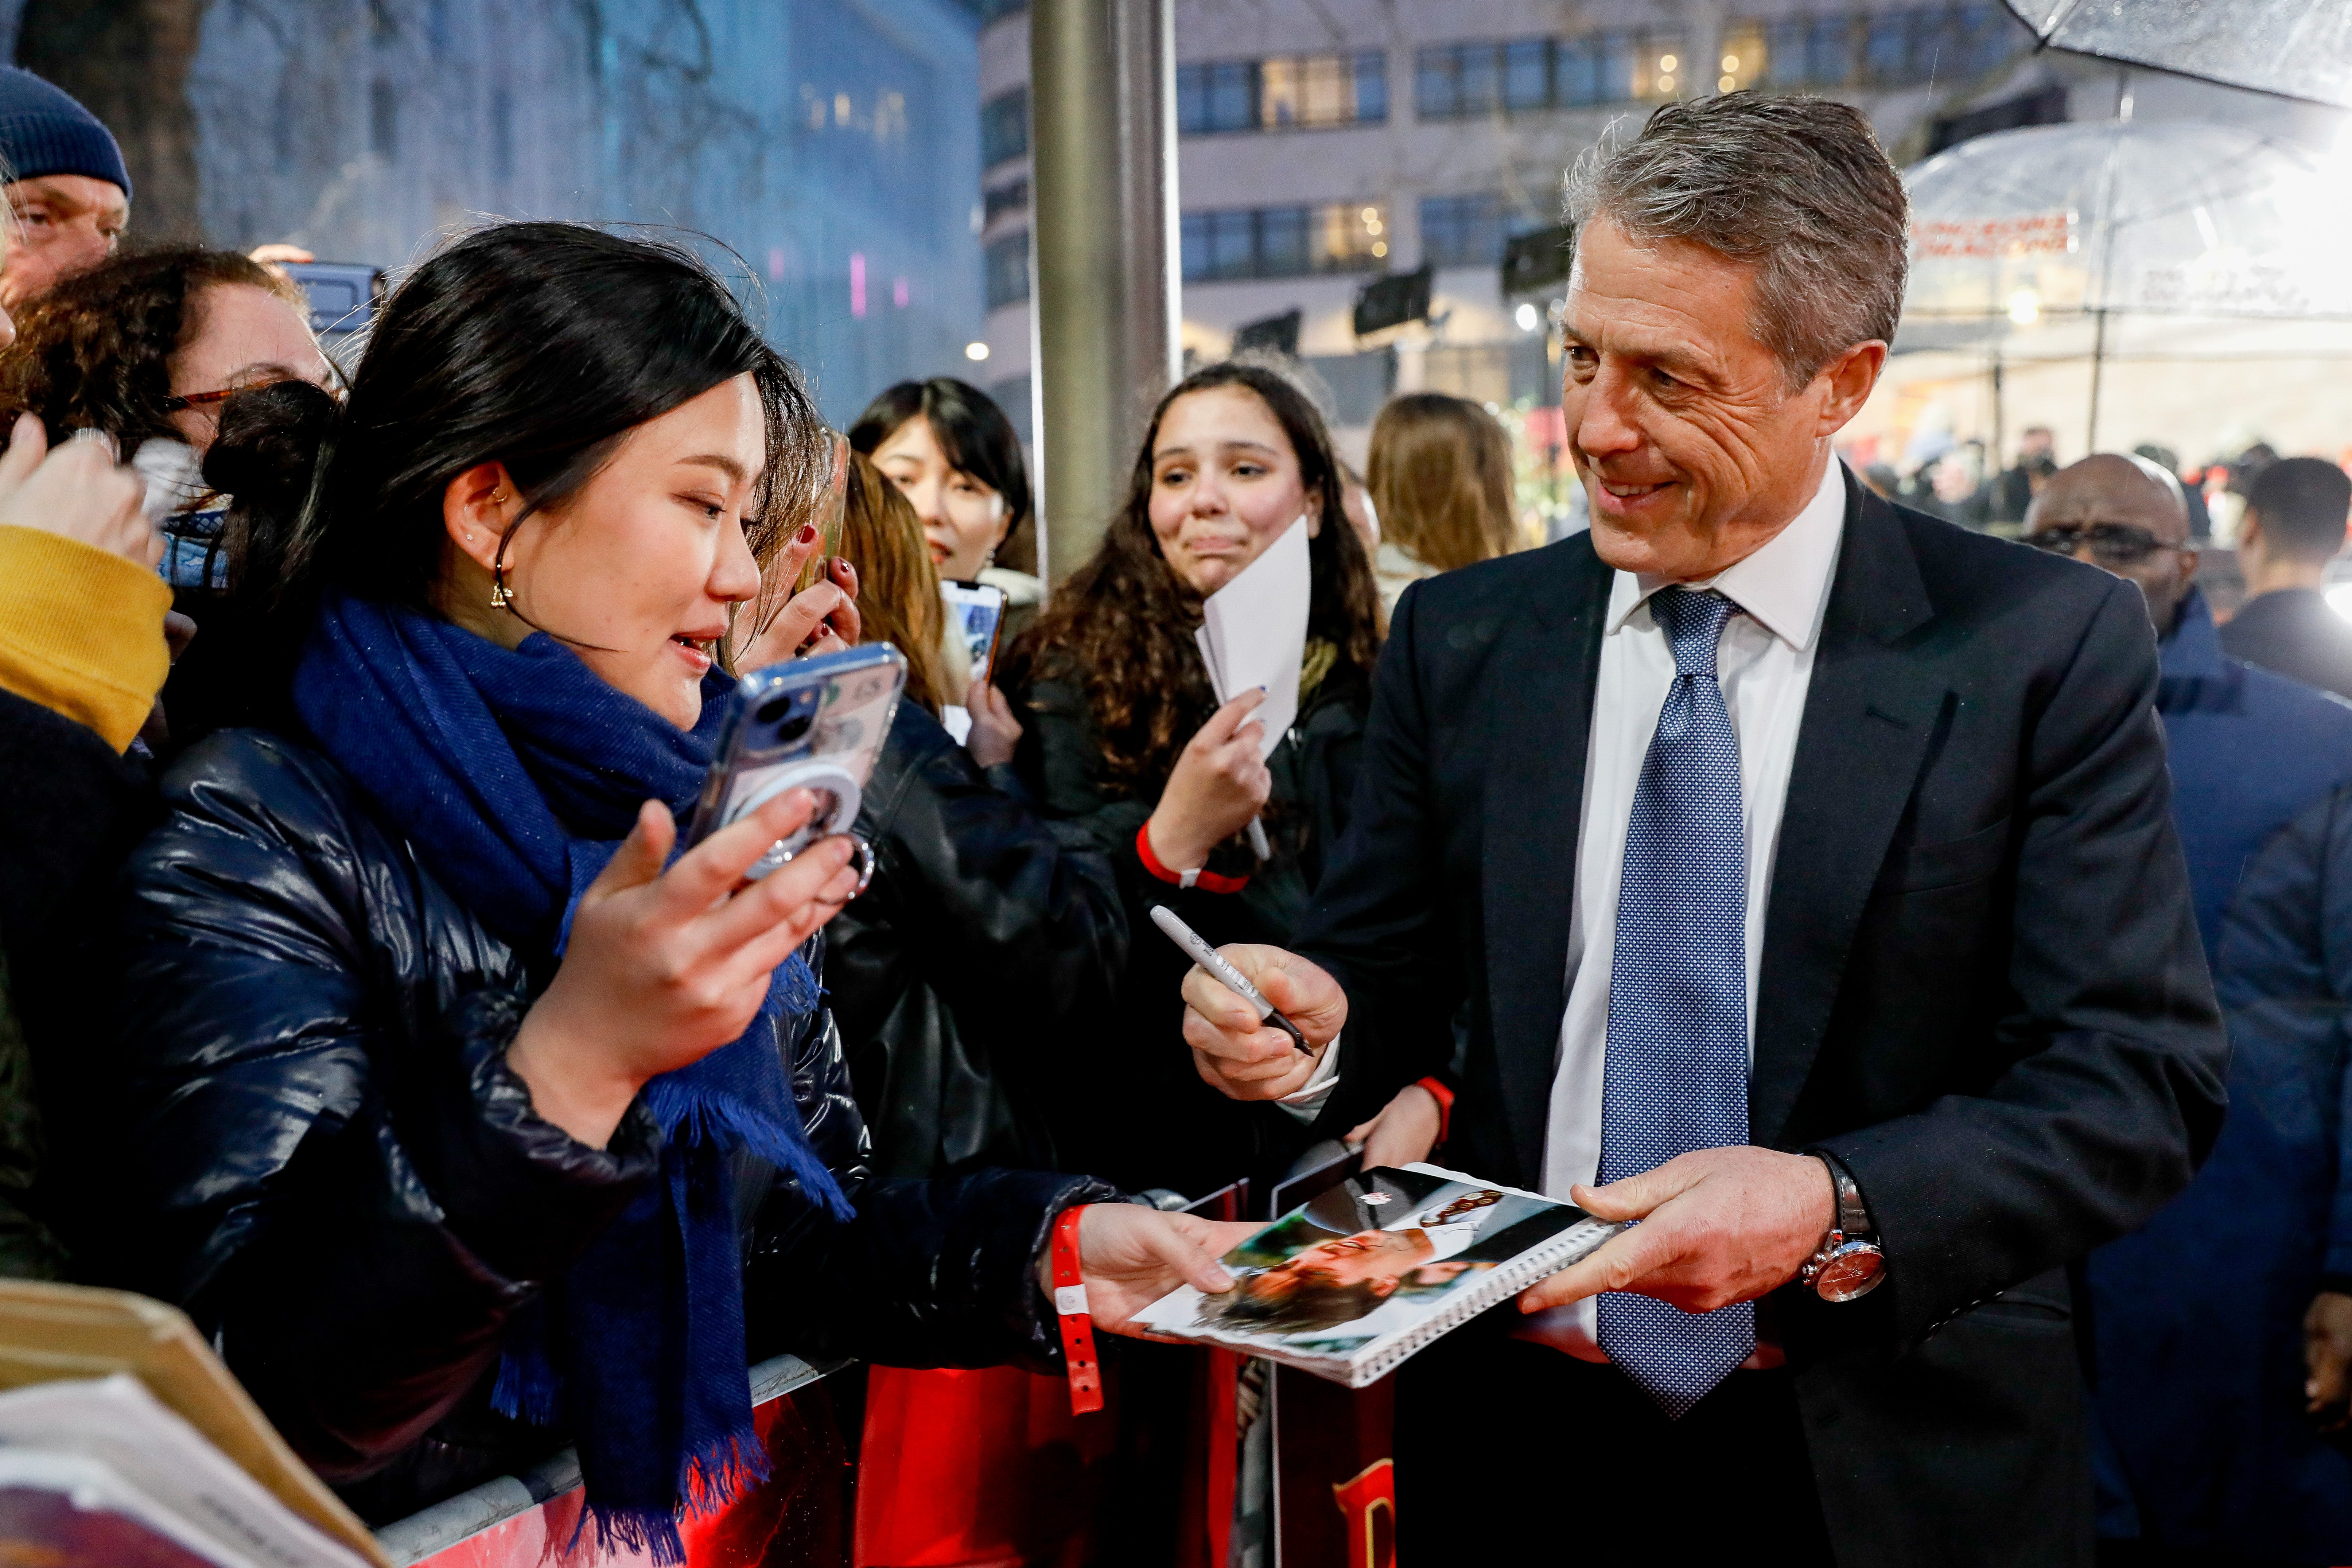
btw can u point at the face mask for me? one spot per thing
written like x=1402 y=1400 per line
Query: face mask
x=189 y=514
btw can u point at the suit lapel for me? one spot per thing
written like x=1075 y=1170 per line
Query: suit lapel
x=1534 y=789
x=1869 y=711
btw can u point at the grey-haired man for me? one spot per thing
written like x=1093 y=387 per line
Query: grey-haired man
x=1804 y=869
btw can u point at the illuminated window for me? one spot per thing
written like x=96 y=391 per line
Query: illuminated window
x=1284 y=242
x=1290 y=92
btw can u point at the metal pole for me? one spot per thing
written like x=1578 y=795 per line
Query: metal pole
x=2098 y=366
x=1102 y=85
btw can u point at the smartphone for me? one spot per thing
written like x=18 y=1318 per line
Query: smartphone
x=976 y=613
x=810 y=723
x=343 y=295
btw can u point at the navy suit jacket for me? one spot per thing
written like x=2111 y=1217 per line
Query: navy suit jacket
x=1981 y=988
x=2199 y=1315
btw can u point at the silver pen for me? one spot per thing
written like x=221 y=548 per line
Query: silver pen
x=1231 y=979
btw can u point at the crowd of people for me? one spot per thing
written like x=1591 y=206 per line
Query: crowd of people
x=1770 y=864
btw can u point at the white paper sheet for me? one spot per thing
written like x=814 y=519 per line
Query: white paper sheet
x=1253 y=632
x=161 y=1472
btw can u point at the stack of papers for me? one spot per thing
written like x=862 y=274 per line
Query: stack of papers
x=125 y=1441
x=100 y=1472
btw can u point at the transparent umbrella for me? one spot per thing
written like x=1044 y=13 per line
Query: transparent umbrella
x=2021 y=228
x=2296 y=48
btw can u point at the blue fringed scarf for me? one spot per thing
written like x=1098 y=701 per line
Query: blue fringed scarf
x=516 y=774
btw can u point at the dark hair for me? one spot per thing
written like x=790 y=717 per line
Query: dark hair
x=1795 y=187
x=538 y=346
x=1309 y=1303
x=2302 y=503
x=1440 y=478
x=974 y=437
x=898 y=588
x=94 y=351
x=1121 y=627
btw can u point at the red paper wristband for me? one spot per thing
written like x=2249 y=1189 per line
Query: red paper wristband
x=1444 y=1097
x=1070 y=1309
x=1207 y=881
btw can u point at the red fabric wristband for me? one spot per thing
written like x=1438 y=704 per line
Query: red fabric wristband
x=1070 y=1310
x=1444 y=1097
x=1207 y=881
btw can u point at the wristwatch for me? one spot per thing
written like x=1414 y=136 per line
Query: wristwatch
x=1849 y=1264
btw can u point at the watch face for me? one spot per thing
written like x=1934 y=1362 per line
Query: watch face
x=1853 y=1270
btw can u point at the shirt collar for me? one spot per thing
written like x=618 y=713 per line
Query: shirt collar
x=1783 y=585
x=2193 y=650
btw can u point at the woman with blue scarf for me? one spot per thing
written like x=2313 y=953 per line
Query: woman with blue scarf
x=466 y=1115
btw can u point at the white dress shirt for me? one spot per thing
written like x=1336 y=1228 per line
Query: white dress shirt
x=1764 y=663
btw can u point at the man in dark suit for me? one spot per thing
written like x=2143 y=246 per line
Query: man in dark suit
x=1805 y=870
x=2292 y=527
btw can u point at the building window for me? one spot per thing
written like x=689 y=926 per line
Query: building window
x=1284 y=242
x=1468 y=231
x=1008 y=269
x=1523 y=76
x=1004 y=127
x=1007 y=198
x=383 y=120
x=1883 y=48
x=1283 y=93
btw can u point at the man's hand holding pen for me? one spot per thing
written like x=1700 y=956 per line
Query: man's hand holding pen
x=1240 y=1055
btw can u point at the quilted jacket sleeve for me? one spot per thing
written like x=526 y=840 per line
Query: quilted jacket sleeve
x=335 y=1174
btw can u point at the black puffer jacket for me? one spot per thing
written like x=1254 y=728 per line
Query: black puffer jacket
x=324 y=1157
x=980 y=960
x=1173 y=1130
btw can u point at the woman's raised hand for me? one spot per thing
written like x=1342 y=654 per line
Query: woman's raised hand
x=1129 y=1257
x=820 y=618
x=79 y=491
x=665 y=967
x=995 y=733
x=1219 y=783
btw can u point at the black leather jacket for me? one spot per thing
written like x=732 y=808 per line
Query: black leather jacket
x=965 y=973
x=324 y=1156
x=1173 y=1130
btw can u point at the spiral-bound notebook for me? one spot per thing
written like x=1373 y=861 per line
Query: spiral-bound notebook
x=1351 y=1282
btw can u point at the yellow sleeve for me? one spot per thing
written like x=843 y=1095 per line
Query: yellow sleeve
x=81 y=631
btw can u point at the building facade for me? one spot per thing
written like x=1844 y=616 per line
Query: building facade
x=1326 y=142
x=827 y=145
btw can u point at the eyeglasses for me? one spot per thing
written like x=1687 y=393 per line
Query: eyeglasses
x=178 y=401
x=2111 y=544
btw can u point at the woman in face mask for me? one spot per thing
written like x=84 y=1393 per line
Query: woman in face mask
x=145 y=348
x=464 y=1115
x=1123 y=736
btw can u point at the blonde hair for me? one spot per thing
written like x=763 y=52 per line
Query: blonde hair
x=898 y=587
x=1441 y=479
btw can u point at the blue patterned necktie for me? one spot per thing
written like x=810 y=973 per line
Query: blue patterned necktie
x=1676 y=1077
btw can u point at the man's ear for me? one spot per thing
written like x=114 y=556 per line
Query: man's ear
x=1386 y=1286
x=477 y=507
x=1850 y=377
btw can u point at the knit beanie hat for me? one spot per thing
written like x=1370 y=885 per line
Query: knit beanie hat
x=43 y=130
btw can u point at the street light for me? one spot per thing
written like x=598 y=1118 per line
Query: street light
x=975 y=352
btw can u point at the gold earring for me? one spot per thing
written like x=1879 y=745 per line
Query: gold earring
x=499 y=597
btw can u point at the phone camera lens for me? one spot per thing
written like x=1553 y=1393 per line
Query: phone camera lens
x=773 y=709
x=794 y=729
